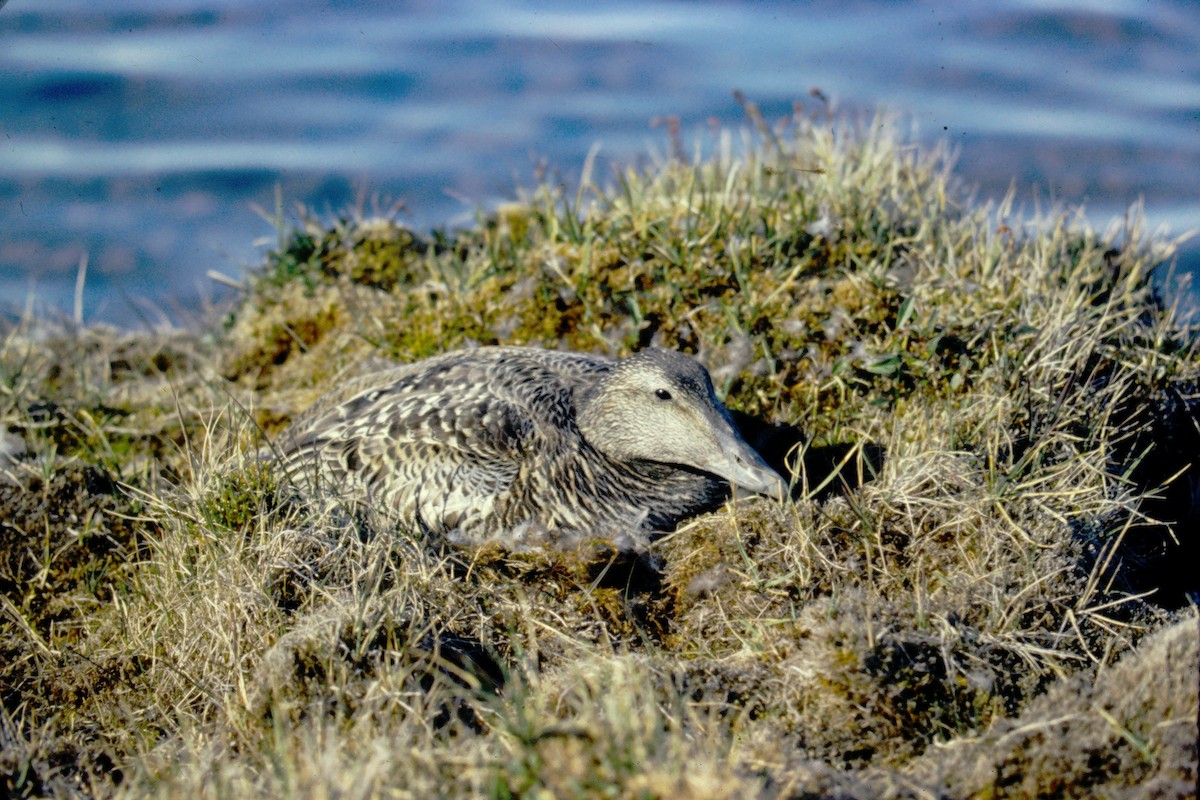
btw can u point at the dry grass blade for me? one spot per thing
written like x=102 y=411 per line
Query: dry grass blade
x=990 y=423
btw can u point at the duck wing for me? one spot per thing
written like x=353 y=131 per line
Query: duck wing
x=443 y=445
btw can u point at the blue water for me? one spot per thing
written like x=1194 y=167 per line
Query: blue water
x=143 y=133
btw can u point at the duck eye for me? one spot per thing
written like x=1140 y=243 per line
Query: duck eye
x=662 y=394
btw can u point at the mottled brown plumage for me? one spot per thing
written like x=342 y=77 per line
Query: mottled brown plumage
x=504 y=443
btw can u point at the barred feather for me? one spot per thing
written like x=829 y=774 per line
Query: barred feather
x=485 y=443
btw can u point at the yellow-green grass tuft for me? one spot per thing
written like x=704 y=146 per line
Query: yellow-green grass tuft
x=991 y=423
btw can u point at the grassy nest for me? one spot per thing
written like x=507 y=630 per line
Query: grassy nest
x=980 y=588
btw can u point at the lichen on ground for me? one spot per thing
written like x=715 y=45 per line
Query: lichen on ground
x=991 y=422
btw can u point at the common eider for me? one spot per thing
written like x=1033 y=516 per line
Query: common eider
x=500 y=443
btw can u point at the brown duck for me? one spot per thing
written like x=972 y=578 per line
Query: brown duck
x=507 y=443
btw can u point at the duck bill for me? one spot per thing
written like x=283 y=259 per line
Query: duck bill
x=746 y=471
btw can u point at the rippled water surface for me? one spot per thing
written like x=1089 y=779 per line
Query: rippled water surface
x=142 y=132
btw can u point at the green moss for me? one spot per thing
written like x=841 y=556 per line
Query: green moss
x=242 y=498
x=69 y=537
x=982 y=417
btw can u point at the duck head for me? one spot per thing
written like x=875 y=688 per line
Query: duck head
x=659 y=405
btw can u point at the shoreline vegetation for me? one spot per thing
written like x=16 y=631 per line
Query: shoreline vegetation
x=984 y=587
